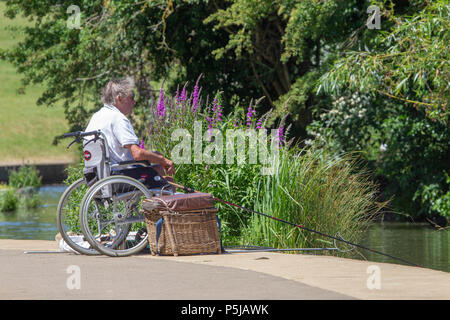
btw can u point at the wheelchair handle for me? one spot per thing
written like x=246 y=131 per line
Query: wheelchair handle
x=80 y=134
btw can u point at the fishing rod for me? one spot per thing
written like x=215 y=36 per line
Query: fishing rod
x=190 y=190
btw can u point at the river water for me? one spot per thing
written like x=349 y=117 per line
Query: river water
x=36 y=224
x=418 y=243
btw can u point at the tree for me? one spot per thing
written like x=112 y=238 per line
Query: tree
x=393 y=95
x=287 y=46
x=408 y=62
x=247 y=49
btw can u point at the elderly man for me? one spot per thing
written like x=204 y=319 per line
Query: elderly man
x=111 y=119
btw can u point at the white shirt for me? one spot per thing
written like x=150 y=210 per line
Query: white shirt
x=118 y=132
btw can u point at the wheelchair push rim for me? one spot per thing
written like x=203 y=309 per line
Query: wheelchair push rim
x=111 y=217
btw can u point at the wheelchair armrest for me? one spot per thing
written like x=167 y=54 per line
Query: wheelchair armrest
x=142 y=163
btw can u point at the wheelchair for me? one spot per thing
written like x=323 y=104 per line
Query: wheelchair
x=105 y=206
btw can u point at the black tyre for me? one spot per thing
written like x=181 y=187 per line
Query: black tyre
x=67 y=216
x=111 y=217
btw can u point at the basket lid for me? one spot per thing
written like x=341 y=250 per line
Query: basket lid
x=180 y=202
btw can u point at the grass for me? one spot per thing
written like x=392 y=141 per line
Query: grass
x=26 y=130
x=316 y=191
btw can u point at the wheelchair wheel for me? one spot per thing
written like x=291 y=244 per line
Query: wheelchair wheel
x=67 y=217
x=111 y=218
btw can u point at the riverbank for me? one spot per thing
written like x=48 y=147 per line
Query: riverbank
x=264 y=275
x=52 y=172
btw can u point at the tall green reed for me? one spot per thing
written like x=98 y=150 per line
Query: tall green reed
x=315 y=190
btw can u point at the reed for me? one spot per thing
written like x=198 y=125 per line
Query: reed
x=315 y=190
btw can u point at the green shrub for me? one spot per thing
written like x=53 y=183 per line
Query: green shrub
x=22 y=188
x=25 y=176
x=30 y=201
x=407 y=150
x=8 y=200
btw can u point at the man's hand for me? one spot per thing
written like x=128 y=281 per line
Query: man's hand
x=168 y=167
x=167 y=164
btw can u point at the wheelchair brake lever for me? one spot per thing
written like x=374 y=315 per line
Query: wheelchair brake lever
x=89 y=141
x=77 y=139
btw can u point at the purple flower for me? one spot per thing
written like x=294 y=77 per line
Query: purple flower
x=259 y=124
x=216 y=110
x=219 y=113
x=161 y=106
x=214 y=106
x=281 y=135
x=141 y=145
x=195 y=98
x=250 y=113
x=183 y=94
x=195 y=95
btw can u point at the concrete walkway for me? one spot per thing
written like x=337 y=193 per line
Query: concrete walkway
x=235 y=276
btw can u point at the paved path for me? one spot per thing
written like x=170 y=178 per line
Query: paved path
x=260 y=276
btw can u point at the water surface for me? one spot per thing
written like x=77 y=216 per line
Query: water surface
x=418 y=243
x=34 y=224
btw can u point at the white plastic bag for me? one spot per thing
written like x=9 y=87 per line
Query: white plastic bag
x=78 y=240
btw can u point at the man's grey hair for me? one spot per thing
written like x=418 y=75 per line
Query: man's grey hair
x=117 y=87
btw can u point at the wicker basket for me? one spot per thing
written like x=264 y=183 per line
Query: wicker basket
x=183 y=232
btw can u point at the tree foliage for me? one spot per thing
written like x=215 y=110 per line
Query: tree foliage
x=408 y=62
x=244 y=48
x=287 y=46
x=307 y=58
x=391 y=103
